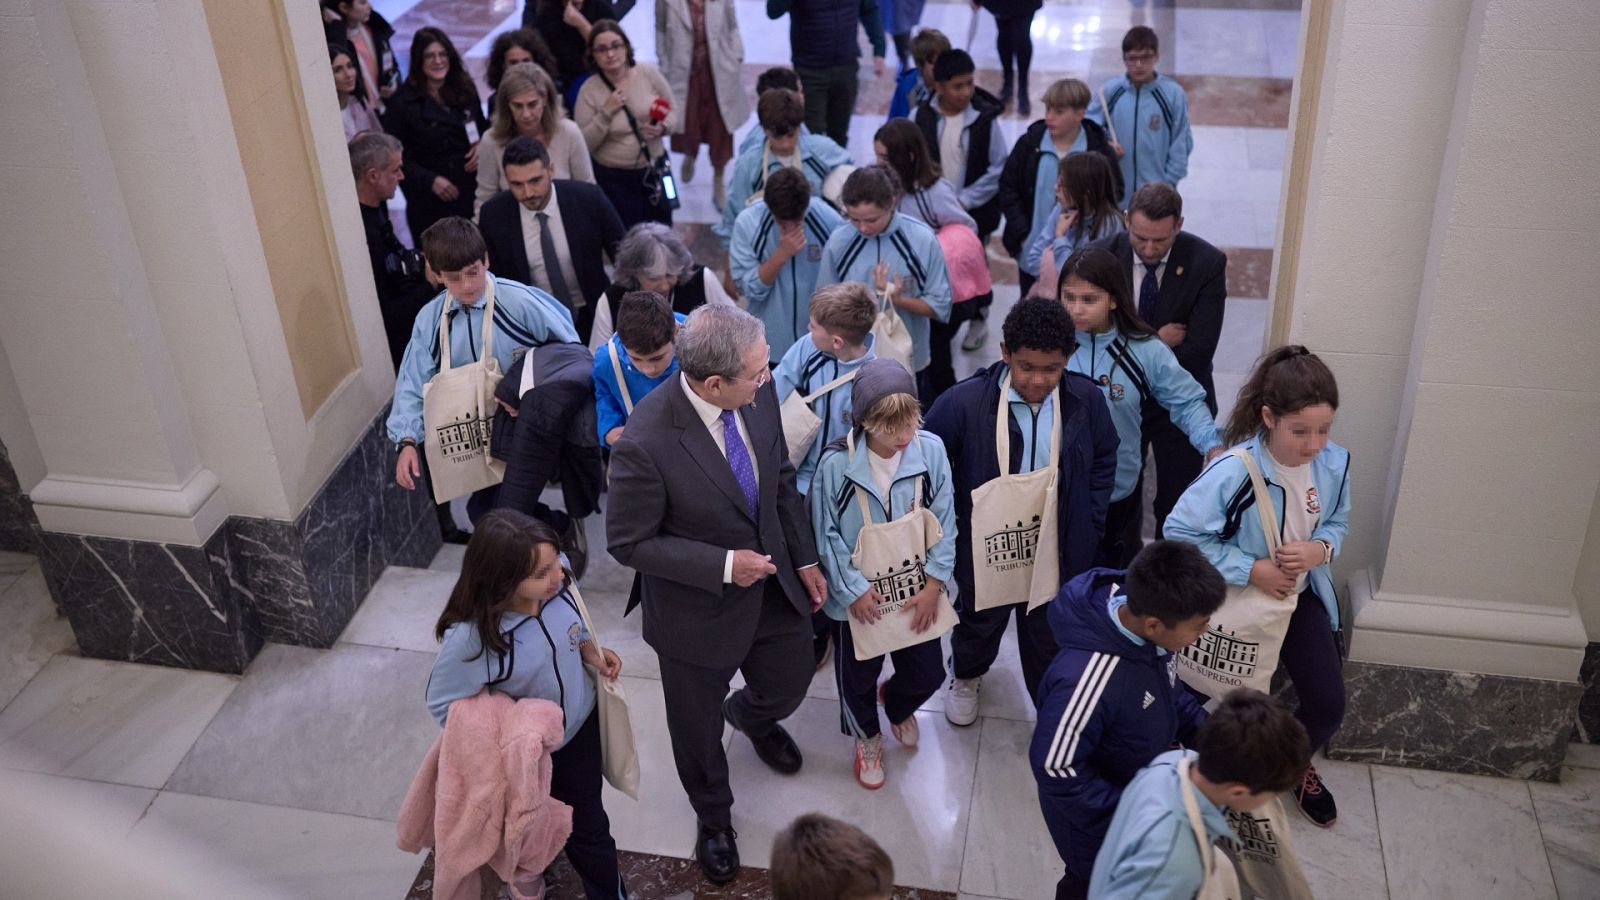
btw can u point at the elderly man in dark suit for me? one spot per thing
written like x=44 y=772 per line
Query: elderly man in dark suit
x=555 y=246
x=1180 y=286
x=703 y=505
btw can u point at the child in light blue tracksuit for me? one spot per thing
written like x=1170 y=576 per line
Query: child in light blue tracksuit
x=786 y=229
x=642 y=348
x=1250 y=749
x=1149 y=117
x=780 y=114
x=1122 y=354
x=838 y=341
x=914 y=260
x=895 y=465
x=1308 y=477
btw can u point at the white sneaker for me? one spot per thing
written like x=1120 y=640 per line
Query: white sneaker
x=977 y=335
x=869 y=762
x=961 y=701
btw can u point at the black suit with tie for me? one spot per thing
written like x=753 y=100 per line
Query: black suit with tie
x=591 y=226
x=675 y=510
x=1194 y=291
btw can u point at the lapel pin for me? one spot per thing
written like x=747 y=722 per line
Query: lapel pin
x=1179 y=271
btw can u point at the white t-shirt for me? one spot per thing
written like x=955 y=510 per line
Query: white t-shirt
x=883 y=475
x=952 y=159
x=1304 y=507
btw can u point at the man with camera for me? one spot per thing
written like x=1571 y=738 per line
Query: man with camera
x=397 y=270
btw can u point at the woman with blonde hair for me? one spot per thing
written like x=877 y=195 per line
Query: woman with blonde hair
x=527 y=104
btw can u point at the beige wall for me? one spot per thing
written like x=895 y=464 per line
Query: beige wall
x=1444 y=276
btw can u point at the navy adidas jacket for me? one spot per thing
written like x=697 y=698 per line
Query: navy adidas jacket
x=1107 y=707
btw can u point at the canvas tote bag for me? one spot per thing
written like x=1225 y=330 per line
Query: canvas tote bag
x=1241 y=647
x=800 y=422
x=619 y=758
x=1263 y=854
x=1221 y=881
x=890 y=337
x=457 y=408
x=1014 y=558
x=891 y=556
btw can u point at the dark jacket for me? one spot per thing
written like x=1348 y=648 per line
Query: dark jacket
x=1194 y=291
x=674 y=512
x=1011 y=9
x=397 y=276
x=435 y=139
x=689 y=295
x=1022 y=171
x=382 y=39
x=590 y=222
x=822 y=33
x=964 y=418
x=552 y=438
x=1107 y=707
x=564 y=41
x=979 y=134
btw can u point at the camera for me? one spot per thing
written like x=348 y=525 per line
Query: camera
x=403 y=261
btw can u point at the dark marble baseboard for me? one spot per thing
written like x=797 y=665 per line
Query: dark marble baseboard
x=19 y=526
x=648 y=875
x=255 y=580
x=1588 y=726
x=1455 y=721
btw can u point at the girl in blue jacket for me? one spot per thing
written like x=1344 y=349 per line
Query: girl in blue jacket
x=512 y=627
x=1282 y=418
x=896 y=465
x=1119 y=352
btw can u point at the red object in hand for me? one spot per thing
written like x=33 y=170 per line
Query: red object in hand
x=659 y=110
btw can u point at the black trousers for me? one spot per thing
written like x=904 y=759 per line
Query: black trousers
x=1177 y=463
x=918 y=672
x=777 y=669
x=575 y=781
x=626 y=190
x=1122 y=516
x=830 y=99
x=1310 y=656
x=1025 y=283
x=940 y=374
x=1012 y=41
x=975 y=641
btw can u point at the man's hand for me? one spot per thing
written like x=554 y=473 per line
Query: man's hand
x=1173 y=333
x=924 y=607
x=750 y=567
x=816 y=585
x=472 y=157
x=1298 y=557
x=614 y=435
x=572 y=15
x=407 y=469
x=507 y=407
x=444 y=189
x=1267 y=575
x=865 y=608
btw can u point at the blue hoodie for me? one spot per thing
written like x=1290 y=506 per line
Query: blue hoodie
x=1150 y=852
x=1109 y=704
x=1131 y=372
x=912 y=251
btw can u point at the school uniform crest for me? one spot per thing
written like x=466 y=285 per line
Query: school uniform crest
x=1117 y=392
x=575 y=635
x=1155 y=122
x=814 y=252
x=1313 y=504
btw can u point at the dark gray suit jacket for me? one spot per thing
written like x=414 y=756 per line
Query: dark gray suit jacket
x=675 y=510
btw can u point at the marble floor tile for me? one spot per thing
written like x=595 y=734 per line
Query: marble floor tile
x=1345 y=860
x=1282 y=32
x=1225 y=148
x=624 y=634
x=1447 y=835
x=401 y=610
x=1243 y=325
x=1009 y=853
x=448 y=559
x=1569 y=820
x=34 y=631
x=1222 y=222
x=109 y=721
x=1221 y=42
x=340 y=730
x=13 y=564
x=1583 y=756
x=112 y=809
x=661 y=821
x=1265 y=147
x=919 y=815
x=228 y=845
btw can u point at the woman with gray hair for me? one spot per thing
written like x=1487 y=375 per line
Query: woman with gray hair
x=653 y=257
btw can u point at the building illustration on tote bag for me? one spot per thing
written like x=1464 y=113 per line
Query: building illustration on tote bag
x=1253 y=836
x=1012 y=546
x=463 y=437
x=899 y=584
x=1222 y=652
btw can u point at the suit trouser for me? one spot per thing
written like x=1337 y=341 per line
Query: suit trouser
x=975 y=641
x=918 y=672
x=575 y=781
x=1177 y=464
x=831 y=98
x=777 y=669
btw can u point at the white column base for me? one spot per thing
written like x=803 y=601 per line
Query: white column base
x=188 y=513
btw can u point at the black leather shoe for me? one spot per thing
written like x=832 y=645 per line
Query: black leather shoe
x=775 y=748
x=718 y=854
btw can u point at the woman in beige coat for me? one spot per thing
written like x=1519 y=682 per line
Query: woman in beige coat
x=526 y=103
x=701 y=53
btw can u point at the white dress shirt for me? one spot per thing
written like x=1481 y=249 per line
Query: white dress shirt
x=1139 y=269
x=535 y=252
x=711 y=415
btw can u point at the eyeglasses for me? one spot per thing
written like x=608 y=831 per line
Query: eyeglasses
x=608 y=48
x=760 y=381
x=436 y=56
x=1138 y=57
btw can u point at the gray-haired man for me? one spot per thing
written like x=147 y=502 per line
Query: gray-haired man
x=703 y=505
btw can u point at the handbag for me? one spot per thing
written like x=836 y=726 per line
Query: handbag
x=890 y=555
x=619 y=757
x=1263 y=854
x=1014 y=524
x=457 y=409
x=800 y=421
x=891 y=339
x=658 y=181
x=1221 y=880
x=1241 y=647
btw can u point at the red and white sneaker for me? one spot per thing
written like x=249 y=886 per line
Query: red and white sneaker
x=1314 y=800
x=906 y=732
x=869 y=762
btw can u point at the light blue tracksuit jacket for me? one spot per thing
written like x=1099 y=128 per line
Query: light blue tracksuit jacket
x=1150 y=852
x=913 y=252
x=819 y=155
x=1151 y=122
x=784 y=305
